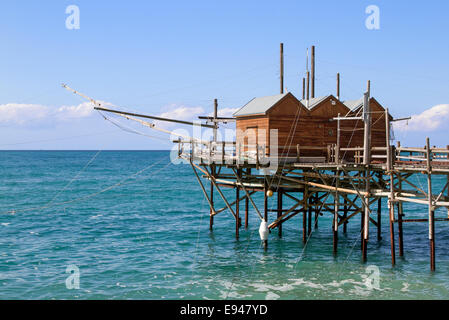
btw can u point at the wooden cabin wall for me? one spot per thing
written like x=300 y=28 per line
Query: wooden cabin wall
x=253 y=122
x=313 y=128
x=289 y=118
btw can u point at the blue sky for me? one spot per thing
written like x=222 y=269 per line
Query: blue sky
x=157 y=57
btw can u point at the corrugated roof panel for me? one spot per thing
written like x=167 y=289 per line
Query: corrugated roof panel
x=353 y=104
x=314 y=101
x=259 y=105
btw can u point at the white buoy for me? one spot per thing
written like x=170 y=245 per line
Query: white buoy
x=263 y=230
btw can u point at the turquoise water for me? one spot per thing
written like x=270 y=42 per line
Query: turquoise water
x=147 y=237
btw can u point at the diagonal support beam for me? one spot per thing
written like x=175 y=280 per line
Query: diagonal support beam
x=212 y=179
x=247 y=193
x=276 y=222
x=204 y=190
x=233 y=203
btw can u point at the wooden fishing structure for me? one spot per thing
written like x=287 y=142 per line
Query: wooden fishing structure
x=331 y=157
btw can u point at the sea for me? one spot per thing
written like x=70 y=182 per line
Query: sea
x=135 y=225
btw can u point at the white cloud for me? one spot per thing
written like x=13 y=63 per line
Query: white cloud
x=22 y=114
x=183 y=113
x=429 y=120
x=70 y=112
x=36 y=114
x=189 y=114
x=226 y=112
x=179 y=113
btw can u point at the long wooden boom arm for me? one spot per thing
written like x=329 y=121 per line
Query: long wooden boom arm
x=98 y=106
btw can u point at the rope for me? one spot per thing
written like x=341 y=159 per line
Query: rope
x=74 y=178
x=128 y=129
x=252 y=267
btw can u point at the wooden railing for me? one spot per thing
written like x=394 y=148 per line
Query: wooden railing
x=231 y=152
x=422 y=154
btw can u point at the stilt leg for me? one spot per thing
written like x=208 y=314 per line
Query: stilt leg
x=335 y=226
x=237 y=212
x=390 y=164
x=366 y=216
x=362 y=223
x=246 y=212
x=304 y=214
x=431 y=209
x=400 y=231
x=379 y=219
x=432 y=241
x=211 y=219
x=345 y=215
x=317 y=214
x=265 y=243
x=309 y=219
x=400 y=216
x=362 y=227
x=393 y=254
x=247 y=204
x=304 y=226
x=279 y=211
x=335 y=220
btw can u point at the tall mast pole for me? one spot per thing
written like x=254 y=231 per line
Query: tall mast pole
x=282 y=67
x=312 y=91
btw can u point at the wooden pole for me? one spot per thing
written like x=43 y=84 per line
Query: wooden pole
x=215 y=119
x=303 y=88
x=279 y=211
x=237 y=208
x=345 y=215
x=366 y=215
x=247 y=204
x=338 y=86
x=308 y=89
x=313 y=72
x=337 y=151
x=366 y=162
x=391 y=195
x=431 y=209
x=362 y=223
x=304 y=216
x=379 y=219
x=447 y=147
x=367 y=128
x=400 y=217
x=309 y=216
x=282 y=68
x=335 y=220
x=211 y=217
x=265 y=207
x=317 y=214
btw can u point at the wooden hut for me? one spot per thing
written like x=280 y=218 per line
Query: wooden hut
x=306 y=128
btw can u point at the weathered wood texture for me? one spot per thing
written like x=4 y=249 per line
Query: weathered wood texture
x=298 y=125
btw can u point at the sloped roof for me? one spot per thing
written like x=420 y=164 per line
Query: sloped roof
x=259 y=105
x=314 y=101
x=353 y=104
